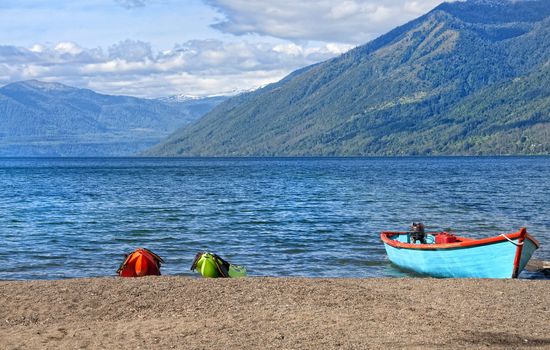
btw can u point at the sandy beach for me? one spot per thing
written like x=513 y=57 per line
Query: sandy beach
x=282 y=313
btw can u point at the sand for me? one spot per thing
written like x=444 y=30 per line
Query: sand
x=278 y=313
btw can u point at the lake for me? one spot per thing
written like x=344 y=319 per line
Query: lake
x=314 y=217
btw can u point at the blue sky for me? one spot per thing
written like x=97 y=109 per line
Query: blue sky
x=153 y=48
x=104 y=22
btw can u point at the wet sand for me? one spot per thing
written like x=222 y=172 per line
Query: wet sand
x=278 y=313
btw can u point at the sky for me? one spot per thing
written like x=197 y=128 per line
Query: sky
x=157 y=48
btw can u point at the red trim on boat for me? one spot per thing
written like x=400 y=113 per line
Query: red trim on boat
x=463 y=242
x=519 y=248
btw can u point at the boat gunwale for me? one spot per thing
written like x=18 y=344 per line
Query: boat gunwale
x=466 y=243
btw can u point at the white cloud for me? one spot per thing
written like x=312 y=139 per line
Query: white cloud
x=32 y=71
x=197 y=67
x=65 y=48
x=348 y=21
x=37 y=48
x=289 y=49
x=131 y=50
x=295 y=34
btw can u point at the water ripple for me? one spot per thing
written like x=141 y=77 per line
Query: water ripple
x=63 y=218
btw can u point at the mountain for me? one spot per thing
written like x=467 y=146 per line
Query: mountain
x=467 y=78
x=186 y=98
x=51 y=119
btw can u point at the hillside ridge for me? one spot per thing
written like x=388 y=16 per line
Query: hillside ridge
x=52 y=119
x=395 y=94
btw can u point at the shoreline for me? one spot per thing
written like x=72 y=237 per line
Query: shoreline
x=267 y=312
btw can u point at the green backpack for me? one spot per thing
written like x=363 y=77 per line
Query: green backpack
x=211 y=265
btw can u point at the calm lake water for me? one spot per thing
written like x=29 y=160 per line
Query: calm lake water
x=316 y=217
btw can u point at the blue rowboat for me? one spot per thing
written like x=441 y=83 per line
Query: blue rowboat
x=440 y=254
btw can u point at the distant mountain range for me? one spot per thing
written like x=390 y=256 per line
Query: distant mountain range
x=467 y=78
x=51 y=119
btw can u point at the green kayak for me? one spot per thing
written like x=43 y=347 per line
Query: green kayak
x=211 y=265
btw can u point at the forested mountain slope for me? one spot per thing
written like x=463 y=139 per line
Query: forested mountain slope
x=50 y=119
x=466 y=78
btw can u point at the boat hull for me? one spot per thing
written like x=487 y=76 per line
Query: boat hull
x=496 y=258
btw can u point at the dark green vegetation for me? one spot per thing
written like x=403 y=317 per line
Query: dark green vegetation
x=468 y=78
x=48 y=119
